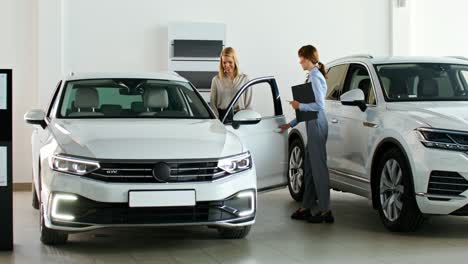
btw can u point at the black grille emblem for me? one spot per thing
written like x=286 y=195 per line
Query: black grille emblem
x=161 y=172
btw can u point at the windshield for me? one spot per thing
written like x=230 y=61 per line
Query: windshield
x=424 y=82
x=131 y=98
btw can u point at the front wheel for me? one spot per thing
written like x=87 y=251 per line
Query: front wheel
x=35 y=200
x=397 y=202
x=296 y=170
x=49 y=236
x=234 y=233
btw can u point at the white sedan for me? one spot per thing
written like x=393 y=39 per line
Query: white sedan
x=145 y=149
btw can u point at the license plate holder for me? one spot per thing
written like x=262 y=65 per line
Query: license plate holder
x=161 y=198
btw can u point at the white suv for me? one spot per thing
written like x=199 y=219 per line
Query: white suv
x=398 y=135
x=145 y=149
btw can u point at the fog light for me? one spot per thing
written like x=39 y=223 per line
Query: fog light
x=59 y=199
x=241 y=204
x=251 y=196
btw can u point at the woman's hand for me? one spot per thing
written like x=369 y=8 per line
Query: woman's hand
x=284 y=127
x=295 y=104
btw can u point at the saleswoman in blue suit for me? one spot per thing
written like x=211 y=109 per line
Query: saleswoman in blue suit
x=316 y=201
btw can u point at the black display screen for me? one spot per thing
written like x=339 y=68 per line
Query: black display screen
x=200 y=79
x=197 y=48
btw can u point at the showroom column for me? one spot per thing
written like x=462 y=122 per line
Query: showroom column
x=402 y=27
x=6 y=182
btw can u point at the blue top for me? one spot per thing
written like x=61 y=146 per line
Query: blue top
x=319 y=85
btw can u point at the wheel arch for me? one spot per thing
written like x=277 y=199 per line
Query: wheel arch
x=381 y=148
x=295 y=134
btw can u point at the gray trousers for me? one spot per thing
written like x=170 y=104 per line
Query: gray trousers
x=316 y=177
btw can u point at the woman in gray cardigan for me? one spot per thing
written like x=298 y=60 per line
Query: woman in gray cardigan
x=227 y=83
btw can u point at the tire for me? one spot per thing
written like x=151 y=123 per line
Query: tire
x=296 y=171
x=397 y=205
x=35 y=200
x=234 y=233
x=51 y=237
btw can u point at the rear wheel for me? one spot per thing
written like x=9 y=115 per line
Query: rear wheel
x=49 y=236
x=296 y=170
x=397 y=202
x=234 y=233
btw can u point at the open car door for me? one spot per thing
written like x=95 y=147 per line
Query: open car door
x=258 y=129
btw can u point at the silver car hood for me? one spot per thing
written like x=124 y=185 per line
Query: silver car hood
x=440 y=114
x=145 y=138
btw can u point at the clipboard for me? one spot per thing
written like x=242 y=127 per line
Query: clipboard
x=304 y=93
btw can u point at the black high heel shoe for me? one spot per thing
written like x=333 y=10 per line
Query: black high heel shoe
x=301 y=214
x=322 y=217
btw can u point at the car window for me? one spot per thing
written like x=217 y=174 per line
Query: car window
x=131 y=98
x=192 y=100
x=424 y=81
x=335 y=80
x=359 y=78
x=264 y=99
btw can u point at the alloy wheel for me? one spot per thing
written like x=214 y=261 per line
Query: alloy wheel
x=391 y=190
x=296 y=172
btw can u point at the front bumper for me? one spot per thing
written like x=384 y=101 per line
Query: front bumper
x=445 y=162
x=87 y=214
x=100 y=204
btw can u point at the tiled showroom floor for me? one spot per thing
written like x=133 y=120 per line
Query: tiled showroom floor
x=356 y=237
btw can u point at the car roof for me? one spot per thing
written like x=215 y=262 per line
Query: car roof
x=401 y=59
x=171 y=76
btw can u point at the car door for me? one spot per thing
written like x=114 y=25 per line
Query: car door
x=267 y=146
x=356 y=128
x=335 y=80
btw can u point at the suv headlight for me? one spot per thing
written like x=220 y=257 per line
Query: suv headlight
x=443 y=139
x=236 y=163
x=72 y=165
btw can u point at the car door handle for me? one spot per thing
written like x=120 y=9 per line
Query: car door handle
x=369 y=124
x=334 y=121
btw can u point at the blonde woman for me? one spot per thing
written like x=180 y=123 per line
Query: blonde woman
x=227 y=83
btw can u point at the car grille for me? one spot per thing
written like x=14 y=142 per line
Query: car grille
x=447 y=183
x=122 y=214
x=143 y=172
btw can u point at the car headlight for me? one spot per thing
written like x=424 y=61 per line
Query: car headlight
x=443 y=139
x=236 y=163
x=72 y=165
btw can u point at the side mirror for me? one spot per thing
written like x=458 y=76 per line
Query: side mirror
x=246 y=117
x=36 y=117
x=354 y=97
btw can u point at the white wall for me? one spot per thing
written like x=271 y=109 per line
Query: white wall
x=125 y=35
x=438 y=28
x=120 y=35
x=41 y=40
x=49 y=48
x=18 y=52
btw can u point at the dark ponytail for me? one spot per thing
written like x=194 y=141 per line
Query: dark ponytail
x=310 y=52
x=322 y=69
